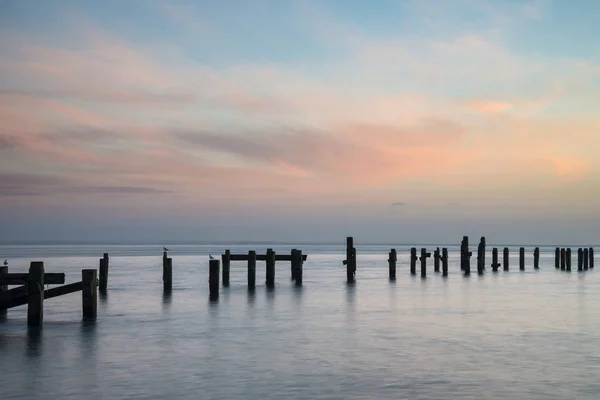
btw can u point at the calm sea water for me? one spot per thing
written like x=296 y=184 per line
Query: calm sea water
x=532 y=334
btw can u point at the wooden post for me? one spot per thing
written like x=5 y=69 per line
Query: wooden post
x=522 y=258
x=580 y=259
x=413 y=260
x=89 y=293
x=350 y=260
x=436 y=260
x=167 y=274
x=585 y=258
x=495 y=264
x=298 y=264
x=591 y=255
x=424 y=255
x=3 y=288
x=466 y=255
x=563 y=259
x=293 y=266
x=393 y=257
x=536 y=258
x=35 y=294
x=270 y=273
x=481 y=256
x=251 y=269
x=568 y=255
x=464 y=248
x=226 y=259
x=505 y=259
x=213 y=278
x=557 y=258
x=444 y=262
x=103 y=273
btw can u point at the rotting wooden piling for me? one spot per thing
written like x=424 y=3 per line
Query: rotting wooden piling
x=270 y=268
x=423 y=258
x=167 y=274
x=536 y=258
x=103 y=273
x=495 y=264
x=436 y=260
x=35 y=294
x=89 y=293
x=585 y=259
x=226 y=263
x=591 y=256
x=213 y=278
x=251 y=269
x=293 y=264
x=563 y=259
x=522 y=258
x=298 y=269
x=505 y=259
x=444 y=261
x=413 y=260
x=568 y=256
x=350 y=260
x=392 y=258
x=481 y=256
x=580 y=259
x=3 y=288
x=464 y=247
x=557 y=258
x=466 y=256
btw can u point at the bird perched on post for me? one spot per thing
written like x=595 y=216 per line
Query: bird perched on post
x=210 y=257
x=165 y=249
x=5 y=262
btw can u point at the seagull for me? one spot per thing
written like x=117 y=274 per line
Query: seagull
x=5 y=262
x=165 y=249
x=211 y=257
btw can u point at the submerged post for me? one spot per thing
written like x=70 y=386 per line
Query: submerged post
x=213 y=278
x=580 y=259
x=505 y=259
x=495 y=264
x=89 y=293
x=522 y=259
x=563 y=259
x=350 y=260
x=270 y=273
x=297 y=255
x=167 y=274
x=251 y=269
x=536 y=258
x=444 y=262
x=103 y=273
x=226 y=260
x=568 y=256
x=557 y=258
x=3 y=288
x=424 y=255
x=35 y=294
x=392 y=258
x=591 y=256
x=436 y=260
x=585 y=258
x=413 y=260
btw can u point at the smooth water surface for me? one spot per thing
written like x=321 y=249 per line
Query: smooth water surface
x=532 y=334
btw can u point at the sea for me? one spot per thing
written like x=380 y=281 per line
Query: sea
x=532 y=334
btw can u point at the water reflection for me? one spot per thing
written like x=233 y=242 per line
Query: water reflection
x=251 y=296
x=34 y=342
x=166 y=300
x=270 y=294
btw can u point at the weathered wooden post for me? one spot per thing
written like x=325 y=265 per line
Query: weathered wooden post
x=350 y=261
x=167 y=275
x=103 y=273
x=298 y=264
x=89 y=293
x=522 y=259
x=270 y=273
x=481 y=256
x=293 y=263
x=444 y=262
x=591 y=255
x=580 y=259
x=392 y=258
x=495 y=264
x=536 y=258
x=213 y=278
x=585 y=259
x=557 y=258
x=424 y=255
x=413 y=260
x=436 y=260
x=251 y=269
x=568 y=256
x=563 y=259
x=466 y=256
x=35 y=294
x=464 y=247
x=3 y=288
x=226 y=260
x=505 y=259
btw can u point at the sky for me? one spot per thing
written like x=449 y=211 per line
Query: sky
x=396 y=121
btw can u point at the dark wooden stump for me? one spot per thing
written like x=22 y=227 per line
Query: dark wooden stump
x=167 y=274
x=270 y=264
x=89 y=293
x=103 y=273
x=505 y=259
x=213 y=277
x=251 y=269
x=3 y=288
x=495 y=264
x=464 y=248
x=413 y=260
x=226 y=260
x=466 y=256
x=591 y=256
x=536 y=258
x=557 y=258
x=568 y=256
x=35 y=294
x=585 y=259
x=297 y=257
x=580 y=259
x=423 y=258
x=436 y=260
x=292 y=264
x=563 y=259
x=522 y=258
x=481 y=256
x=392 y=258
x=444 y=262
x=350 y=261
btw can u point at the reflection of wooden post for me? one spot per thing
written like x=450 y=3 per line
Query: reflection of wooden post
x=213 y=278
x=424 y=255
x=580 y=259
x=568 y=260
x=557 y=258
x=522 y=259
x=103 y=273
x=505 y=259
x=536 y=258
x=444 y=262
x=413 y=260
x=167 y=274
x=436 y=260
x=270 y=273
x=226 y=259
x=35 y=294
x=3 y=288
x=591 y=256
x=585 y=258
x=89 y=293
x=297 y=255
x=251 y=269
x=495 y=264
x=563 y=259
x=392 y=258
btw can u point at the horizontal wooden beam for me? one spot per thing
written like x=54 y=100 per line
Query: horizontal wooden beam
x=61 y=290
x=56 y=278
x=18 y=296
x=263 y=257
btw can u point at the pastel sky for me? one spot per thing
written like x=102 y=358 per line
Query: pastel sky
x=390 y=120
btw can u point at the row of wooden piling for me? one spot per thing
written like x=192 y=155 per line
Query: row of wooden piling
x=585 y=259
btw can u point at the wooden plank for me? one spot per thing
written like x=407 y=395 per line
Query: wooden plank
x=52 y=278
x=13 y=297
x=62 y=290
x=263 y=257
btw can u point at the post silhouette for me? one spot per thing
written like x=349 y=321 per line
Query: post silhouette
x=35 y=294
x=436 y=260
x=213 y=278
x=297 y=263
x=226 y=260
x=3 y=288
x=444 y=262
x=522 y=258
x=270 y=265
x=424 y=255
x=568 y=256
x=591 y=256
x=495 y=264
x=413 y=260
x=350 y=261
x=585 y=259
x=392 y=258
x=536 y=258
x=580 y=259
x=167 y=274
x=557 y=258
x=563 y=259
x=505 y=259
x=103 y=273
x=89 y=293
x=251 y=269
